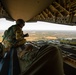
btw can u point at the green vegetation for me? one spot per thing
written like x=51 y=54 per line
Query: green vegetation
x=71 y=42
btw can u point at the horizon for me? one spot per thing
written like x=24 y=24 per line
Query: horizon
x=41 y=26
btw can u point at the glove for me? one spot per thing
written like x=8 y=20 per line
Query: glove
x=26 y=35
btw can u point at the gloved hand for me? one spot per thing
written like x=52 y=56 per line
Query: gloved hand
x=26 y=35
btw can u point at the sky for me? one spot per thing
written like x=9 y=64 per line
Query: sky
x=5 y=24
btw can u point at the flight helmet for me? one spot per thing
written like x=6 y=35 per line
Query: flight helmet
x=20 y=21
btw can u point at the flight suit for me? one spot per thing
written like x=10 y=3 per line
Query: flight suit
x=16 y=39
